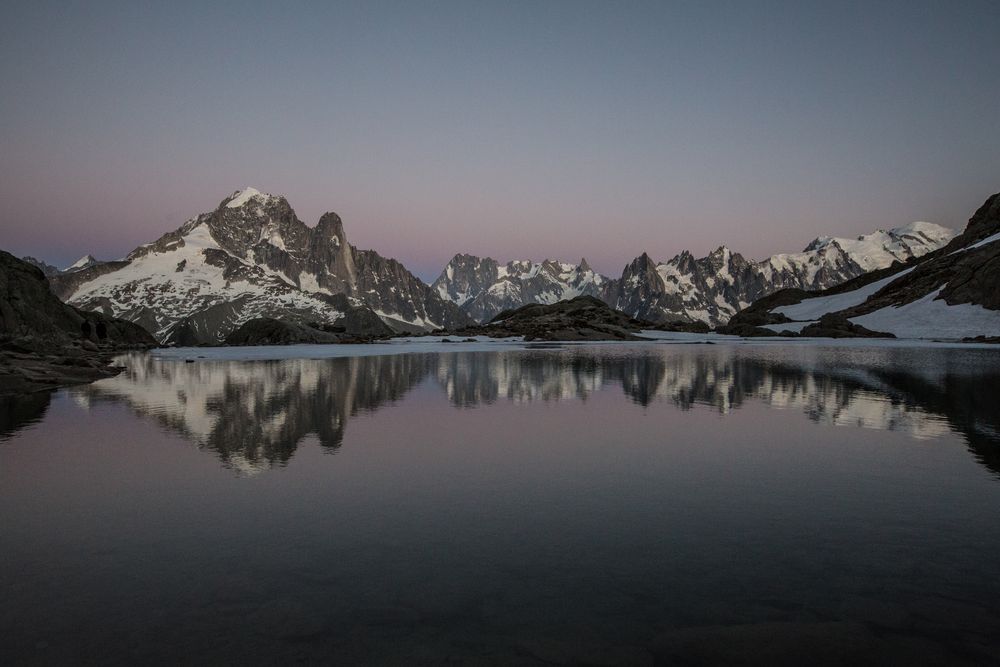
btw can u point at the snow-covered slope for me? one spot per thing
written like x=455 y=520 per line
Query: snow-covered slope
x=252 y=257
x=482 y=287
x=930 y=316
x=713 y=288
x=951 y=293
x=82 y=263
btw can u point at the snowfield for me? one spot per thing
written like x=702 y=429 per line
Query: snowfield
x=931 y=317
x=816 y=307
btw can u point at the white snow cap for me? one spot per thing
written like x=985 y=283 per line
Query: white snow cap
x=241 y=197
x=83 y=261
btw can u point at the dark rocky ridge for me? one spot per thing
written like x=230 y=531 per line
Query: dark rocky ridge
x=268 y=331
x=201 y=327
x=45 y=343
x=45 y=267
x=580 y=318
x=964 y=275
x=968 y=276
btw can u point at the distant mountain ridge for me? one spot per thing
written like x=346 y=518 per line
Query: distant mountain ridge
x=953 y=292
x=709 y=289
x=252 y=257
x=483 y=288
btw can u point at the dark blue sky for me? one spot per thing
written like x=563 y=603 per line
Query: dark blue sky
x=509 y=129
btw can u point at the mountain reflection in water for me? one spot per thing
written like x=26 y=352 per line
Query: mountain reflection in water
x=593 y=504
x=254 y=414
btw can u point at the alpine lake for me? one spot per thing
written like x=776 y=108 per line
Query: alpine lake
x=683 y=501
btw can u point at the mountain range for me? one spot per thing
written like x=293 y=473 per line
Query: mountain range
x=710 y=289
x=252 y=257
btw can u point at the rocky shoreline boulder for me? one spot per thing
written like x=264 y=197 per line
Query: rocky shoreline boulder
x=269 y=331
x=45 y=343
x=580 y=318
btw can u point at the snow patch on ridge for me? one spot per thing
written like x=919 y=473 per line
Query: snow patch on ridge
x=241 y=197
x=931 y=317
x=815 y=308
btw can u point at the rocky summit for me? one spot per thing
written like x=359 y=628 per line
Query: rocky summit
x=684 y=289
x=249 y=258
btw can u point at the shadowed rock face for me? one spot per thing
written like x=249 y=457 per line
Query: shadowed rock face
x=253 y=415
x=965 y=274
x=46 y=268
x=581 y=318
x=253 y=258
x=266 y=331
x=31 y=313
x=45 y=343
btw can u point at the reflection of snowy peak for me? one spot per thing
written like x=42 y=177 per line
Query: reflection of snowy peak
x=713 y=288
x=254 y=415
x=252 y=257
x=483 y=288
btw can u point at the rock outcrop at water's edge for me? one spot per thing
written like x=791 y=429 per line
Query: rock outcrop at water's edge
x=268 y=331
x=45 y=343
x=580 y=318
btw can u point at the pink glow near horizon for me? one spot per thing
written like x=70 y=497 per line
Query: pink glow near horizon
x=535 y=131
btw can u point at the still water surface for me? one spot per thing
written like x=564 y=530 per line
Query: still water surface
x=581 y=505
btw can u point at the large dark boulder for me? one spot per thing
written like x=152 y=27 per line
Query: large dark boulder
x=45 y=343
x=32 y=315
x=269 y=331
x=581 y=318
x=835 y=326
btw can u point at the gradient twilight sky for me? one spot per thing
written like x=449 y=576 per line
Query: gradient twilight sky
x=509 y=129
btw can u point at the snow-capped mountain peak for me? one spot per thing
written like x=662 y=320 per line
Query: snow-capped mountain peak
x=713 y=288
x=482 y=287
x=242 y=197
x=252 y=257
x=82 y=263
x=710 y=289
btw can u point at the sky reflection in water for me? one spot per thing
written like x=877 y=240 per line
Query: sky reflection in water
x=616 y=504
